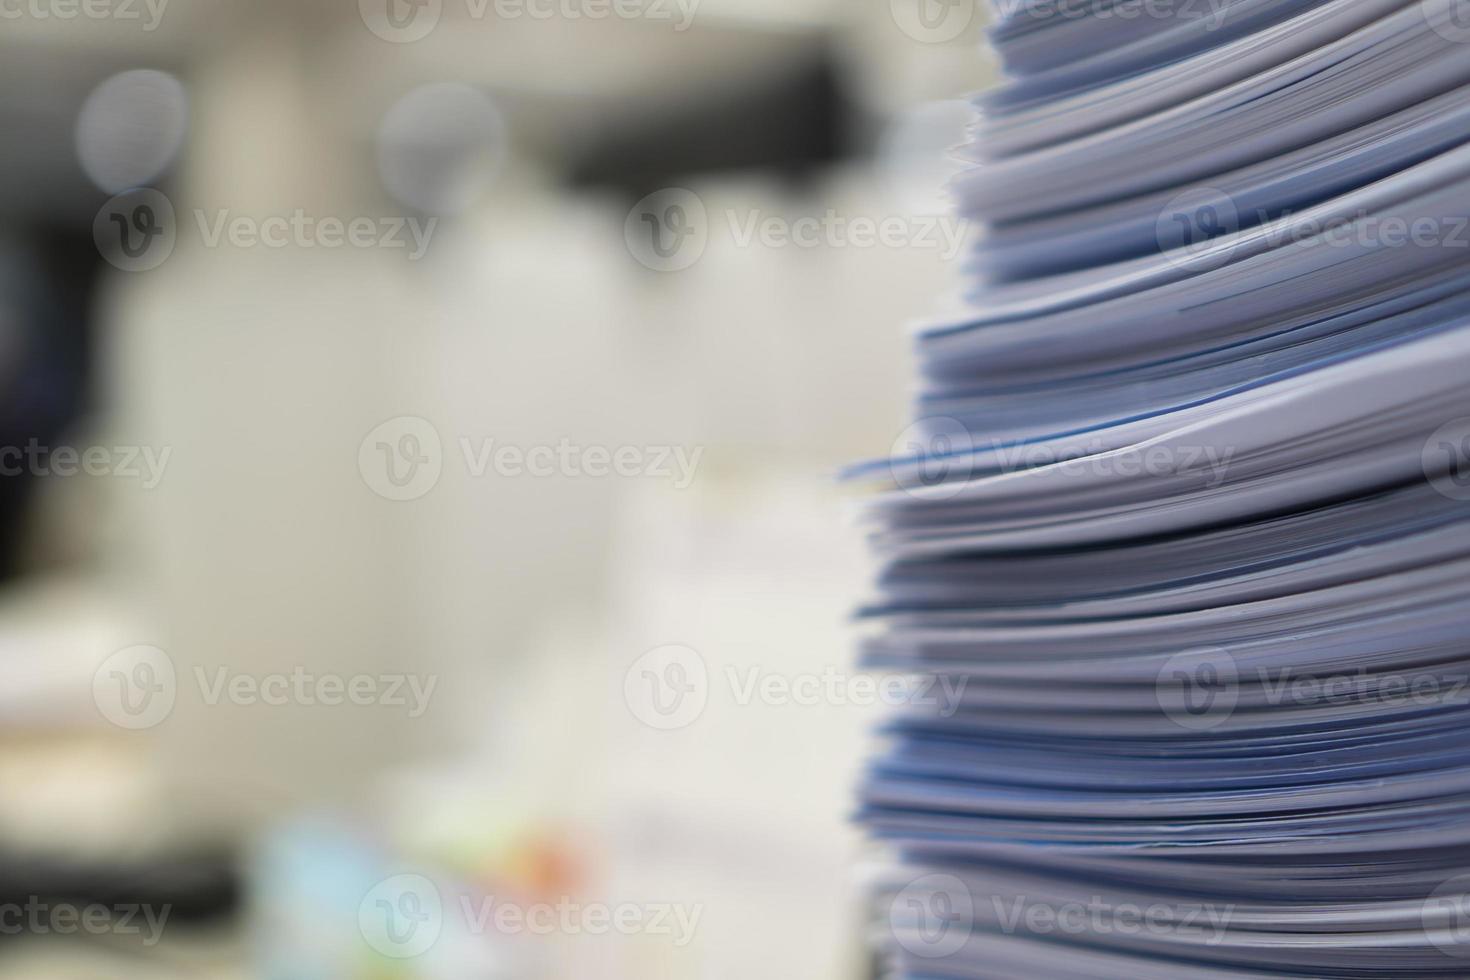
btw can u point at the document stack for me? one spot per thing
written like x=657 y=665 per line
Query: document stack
x=1183 y=524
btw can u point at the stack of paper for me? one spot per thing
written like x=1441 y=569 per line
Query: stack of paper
x=1185 y=516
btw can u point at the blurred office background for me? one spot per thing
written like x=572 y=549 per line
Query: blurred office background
x=230 y=519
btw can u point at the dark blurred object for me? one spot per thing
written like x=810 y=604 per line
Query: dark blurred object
x=127 y=124
x=793 y=122
x=195 y=889
x=47 y=279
